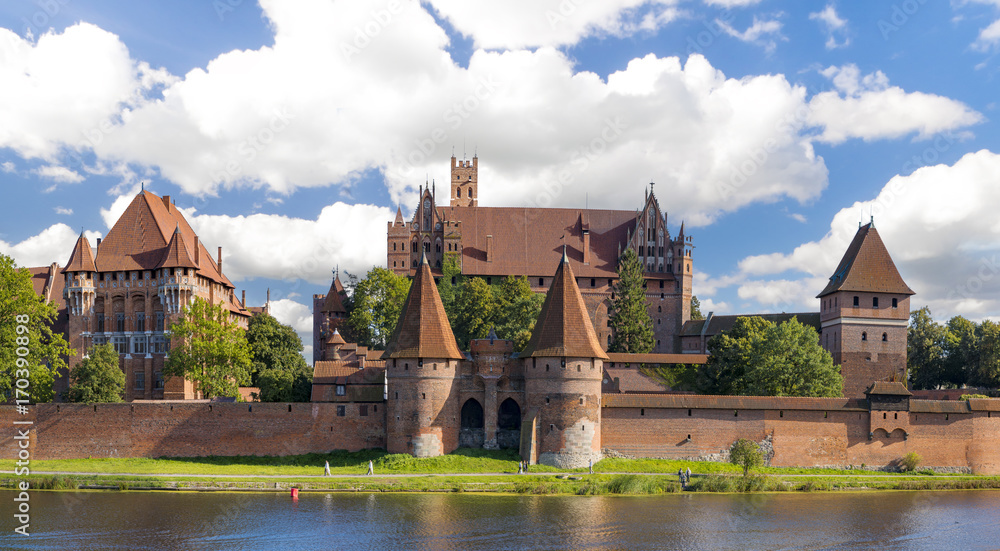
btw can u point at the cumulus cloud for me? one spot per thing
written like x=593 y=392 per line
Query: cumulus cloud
x=732 y=3
x=59 y=174
x=63 y=210
x=531 y=23
x=833 y=26
x=7 y=167
x=53 y=244
x=763 y=32
x=937 y=224
x=294 y=314
x=868 y=107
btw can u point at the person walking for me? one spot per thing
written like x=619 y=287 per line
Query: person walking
x=680 y=477
x=687 y=478
x=371 y=468
x=326 y=469
x=591 y=465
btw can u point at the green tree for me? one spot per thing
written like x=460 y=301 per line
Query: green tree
x=746 y=454
x=925 y=350
x=29 y=350
x=961 y=352
x=450 y=271
x=631 y=326
x=474 y=311
x=98 y=377
x=696 y=309
x=376 y=304
x=516 y=309
x=210 y=350
x=278 y=368
x=987 y=372
x=760 y=358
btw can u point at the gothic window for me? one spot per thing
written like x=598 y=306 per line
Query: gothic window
x=159 y=321
x=427 y=246
x=470 y=192
x=414 y=247
x=120 y=322
x=139 y=344
x=437 y=247
x=100 y=323
x=393 y=246
x=120 y=343
x=140 y=321
x=159 y=381
x=140 y=381
x=458 y=192
x=414 y=263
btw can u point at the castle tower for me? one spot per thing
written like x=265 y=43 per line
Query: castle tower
x=422 y=367
x=563 y=369
x=398 y=246
x=464 y=182
x=328 y=314
x=864 y=312
x=80 y=293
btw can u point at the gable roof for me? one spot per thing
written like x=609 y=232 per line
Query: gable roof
x=82 y=259
x=423 y=330
x=564 y=328
x=176 y=255
x=888 y=388
x=139 y=238
x=334 y=302
x=866 y=267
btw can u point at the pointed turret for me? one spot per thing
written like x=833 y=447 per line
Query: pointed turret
x=399 y=217
x=866 y=267
x=176 y=255
x=423 y=330
x=334 y=302
x=82 y=259
x=564 y=328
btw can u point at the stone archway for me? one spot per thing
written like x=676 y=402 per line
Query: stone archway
x=509 y=424
x=473 y=433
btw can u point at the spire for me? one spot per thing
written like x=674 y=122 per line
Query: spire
x=399 y=216
x=422 y=330
x=564 y=328
x=866 y=267
x=176 y=254
x=334 y=301
x=82 y=259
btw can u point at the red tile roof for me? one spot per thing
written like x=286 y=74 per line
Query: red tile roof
x=82 y=259
x=888 y=388
x=334 y=297
x=633 y=380
x=176 y=255
x=626 y=358
x=866 y=267
x=564 y=328
x=140 y=236
x=423 y=330
x=529 y=241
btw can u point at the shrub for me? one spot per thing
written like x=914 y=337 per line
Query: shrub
x=746 y=454
x=967 y=396
x=910 y=461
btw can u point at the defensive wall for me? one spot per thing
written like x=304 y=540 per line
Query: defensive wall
x=957 y=435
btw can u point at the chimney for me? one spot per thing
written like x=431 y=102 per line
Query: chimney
x=197 y=252
x=98 y=242
x=243 y=301
x=166 y=202
x=220 y=260
x=586 y=246
x=489 y=248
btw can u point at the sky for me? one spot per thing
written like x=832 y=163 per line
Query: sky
x=289 y=131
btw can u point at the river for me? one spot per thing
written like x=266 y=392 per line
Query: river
x=238 y=521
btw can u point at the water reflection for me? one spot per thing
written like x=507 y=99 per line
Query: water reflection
x=191 y=521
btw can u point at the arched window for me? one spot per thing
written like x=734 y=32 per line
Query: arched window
x=458 y=192
x=470 y=192
x=659 y=308
x=864 y=336
x=885 y=337
x=509 y=415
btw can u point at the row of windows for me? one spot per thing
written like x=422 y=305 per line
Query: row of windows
x=832 y=303
x=139 y=325
x=138 y=344
x=864 y=336
x=140 y=381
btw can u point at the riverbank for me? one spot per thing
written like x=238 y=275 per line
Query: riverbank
x=466 y=470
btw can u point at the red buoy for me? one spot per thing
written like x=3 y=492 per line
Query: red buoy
x=295 y=493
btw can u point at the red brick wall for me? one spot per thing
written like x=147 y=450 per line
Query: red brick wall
x=68 y=431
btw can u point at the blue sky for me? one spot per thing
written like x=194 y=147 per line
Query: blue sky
x=290 y=130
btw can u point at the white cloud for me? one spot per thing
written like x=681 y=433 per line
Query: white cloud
x=63 y=210
x=939 y=227
x=732 y=3
x=53 y=244
x=518 y=24
x=988 y=38
x=834 y=27
x=294 y=314
x=59 y=174
x=7 y=167
x=65 y=89
x=762 y=32
x=872 y=109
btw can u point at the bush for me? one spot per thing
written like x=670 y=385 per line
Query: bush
x=746 y=454
x=910 y=461
x=967 y=396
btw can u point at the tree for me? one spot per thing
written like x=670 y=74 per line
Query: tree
x=210 y=350
x=278 y=368
x=631 y=326
x=516 y=309
x=925 y=350
x=746 y=454
x=98 y=377
x=987 y=372
x=759 y=358
x=961 y=352
x=696 y=309
x=376 y=304
x=474 y=310
x=29 y=350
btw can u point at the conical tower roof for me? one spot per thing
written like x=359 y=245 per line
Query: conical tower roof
x=563 y=328
x=82 y=259
x=176 y=255
x=334 y=297
x=423 y=330
x=336 y=338
x=866 y=267
x=399 y=217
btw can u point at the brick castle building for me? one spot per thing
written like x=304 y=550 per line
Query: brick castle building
x=130 y=288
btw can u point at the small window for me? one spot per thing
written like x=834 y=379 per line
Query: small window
x=894 y=303
x=885 y=337
x=689 y=413
x=546 y=400
x=781 y=413
x=864 y=336
x=341 y=390
x=593 y=282
x=423 y=395
x=857 y=302
x=541 y=282
x=874 y=302
x=363 y=410
x=341 y=411
x=140 y=381
x=158 y=381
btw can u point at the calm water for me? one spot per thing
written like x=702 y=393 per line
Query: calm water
x=183 y=521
